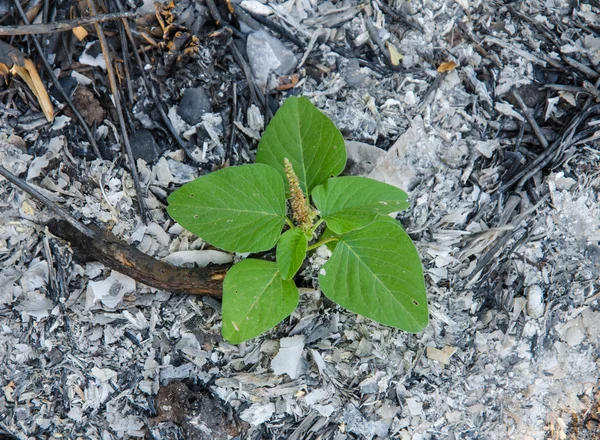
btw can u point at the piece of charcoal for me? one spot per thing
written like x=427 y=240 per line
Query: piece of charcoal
x=193 y=105
x=144 y=146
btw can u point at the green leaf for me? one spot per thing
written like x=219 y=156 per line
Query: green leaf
x=308 y=138
x=239 y=209
x=291 y=250
x=328 y=233
x=376 y=272
x=255 y=299
x=348 y=203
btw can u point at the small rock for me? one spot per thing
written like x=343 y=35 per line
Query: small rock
x=415 y=408
x=163 y=172
x=362 y=158
x=143 y=145
x=352 y=74
x=194 y=104
x=267 y=54
x=409 y=98
x=535 y=301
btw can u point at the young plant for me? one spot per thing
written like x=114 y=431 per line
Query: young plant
x=374 y=270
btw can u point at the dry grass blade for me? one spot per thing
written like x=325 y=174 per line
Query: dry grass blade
x=30 y=75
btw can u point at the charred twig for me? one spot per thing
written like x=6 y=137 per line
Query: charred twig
x=581 y=67
x=489 y=255
x=565 y=88
x=126 y=259
x=520 y=52
x=234 y=111
x=374 y=35
x=591 y=88
x=399 y=16
x=504 y=239
x=165 y=118
x=216 y=15
x=61 y=26
x=117 y=101
x=478 y=44
x=587 y=89
x=59 y=87
x=546 y=33
x=553 y=152
x=437 y=82
x=527 y=113
x=257 y=96
x=338 y=48
x=276 y=28
x=21 y=184
x=126 y=62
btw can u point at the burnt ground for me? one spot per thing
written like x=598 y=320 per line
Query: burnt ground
x=485 y=112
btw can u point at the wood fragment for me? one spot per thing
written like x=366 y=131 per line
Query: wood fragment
x=283 y=32
x=527 y=113
x=581 y=67
x=94 y=244
x=61 y=26
x=126 y=259
x=399 y=16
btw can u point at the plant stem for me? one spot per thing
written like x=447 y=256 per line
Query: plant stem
x=289 y=222
x=319 y=243
x=314 y=228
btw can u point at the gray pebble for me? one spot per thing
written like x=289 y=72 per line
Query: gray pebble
x=194 y=104
x=143 y=145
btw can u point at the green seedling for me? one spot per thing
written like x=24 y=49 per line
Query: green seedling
x=282 y=201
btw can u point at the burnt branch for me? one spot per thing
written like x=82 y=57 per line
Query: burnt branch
x=114 y=253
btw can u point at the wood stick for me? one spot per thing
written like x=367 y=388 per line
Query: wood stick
x=117 y=101
x=527 y=113
x=107 y=249
x=60 y=26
